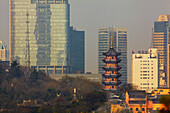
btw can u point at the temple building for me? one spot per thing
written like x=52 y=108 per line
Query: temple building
x=111 y=75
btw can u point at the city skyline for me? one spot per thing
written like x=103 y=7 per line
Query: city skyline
x=138 y=26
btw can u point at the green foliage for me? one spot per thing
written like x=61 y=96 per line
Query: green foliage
x=15 y=87
x=125 y=88
x=45 y=109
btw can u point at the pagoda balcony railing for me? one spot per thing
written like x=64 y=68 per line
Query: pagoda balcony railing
x=112 y=68
x=110 y=82
x=111 y=60
x=106 y=59
x=112 y=89
x=112 y=75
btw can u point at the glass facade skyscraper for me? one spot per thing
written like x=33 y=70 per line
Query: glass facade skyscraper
x=160 y=42
x=49 y=26
x=76 y=51
x=119 y=44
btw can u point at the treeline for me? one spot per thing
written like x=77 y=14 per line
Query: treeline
x=16 y=86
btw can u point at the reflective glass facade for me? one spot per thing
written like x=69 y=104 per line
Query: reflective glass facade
x=76 y=51
x=49 y=22
x=160 y=42
x=120 y=45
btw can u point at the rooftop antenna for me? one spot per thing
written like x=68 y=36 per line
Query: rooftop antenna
x=151 y=46
x=27 y=55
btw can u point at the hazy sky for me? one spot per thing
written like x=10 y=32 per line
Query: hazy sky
x=137 y=15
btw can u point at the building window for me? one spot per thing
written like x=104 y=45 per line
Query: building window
x=143 y=109
x=137 y=109
x=161 y=90
x=131 y=109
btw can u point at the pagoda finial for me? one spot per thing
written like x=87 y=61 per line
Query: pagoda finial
x=111 y=41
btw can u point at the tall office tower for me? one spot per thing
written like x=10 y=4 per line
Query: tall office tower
x=2 y=52
x=120 y=45
x=76 y=51
x=168 y=57
x=47 y=29
x=160 y=42
x=145 y=69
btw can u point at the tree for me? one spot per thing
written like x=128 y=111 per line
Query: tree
x=166 y=101
x=15 y=69
x=94 y=100
x=34 y=76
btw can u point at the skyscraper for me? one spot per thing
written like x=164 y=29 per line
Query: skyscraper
x=76 y=51
x=2 y=52
x=168 y=57
x=47 y=29
x=160 y=42
x=120 y=45
x=145 y=69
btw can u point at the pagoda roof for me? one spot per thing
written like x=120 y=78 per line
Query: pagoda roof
x=111 y=52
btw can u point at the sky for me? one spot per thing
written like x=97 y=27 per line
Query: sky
x=88 y=15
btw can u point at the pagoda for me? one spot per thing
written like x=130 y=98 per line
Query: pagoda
x=111 y=75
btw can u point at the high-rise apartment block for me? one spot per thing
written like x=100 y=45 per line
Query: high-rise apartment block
x=2 y=52
x=120 y=45
x=145 y=69
x=160 y=41
x=47 y=24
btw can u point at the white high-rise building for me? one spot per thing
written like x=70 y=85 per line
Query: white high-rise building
x=145 y=69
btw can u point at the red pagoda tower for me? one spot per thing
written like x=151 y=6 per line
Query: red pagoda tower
x=111 y=75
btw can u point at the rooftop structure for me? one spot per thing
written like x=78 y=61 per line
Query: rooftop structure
x=136 y=101
x=90 y=77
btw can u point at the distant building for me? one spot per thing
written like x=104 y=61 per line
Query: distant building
x=136 y=101
x=154 y=99
x=90 y=77
x=146 y=102
x=160 y=41
x=168 y=57
x=120 y=45
x=2 y=52
x=46 y=24
x=145 y=69
x=76 y=51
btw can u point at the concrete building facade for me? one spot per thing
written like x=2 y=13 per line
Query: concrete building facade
x=145 y=69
